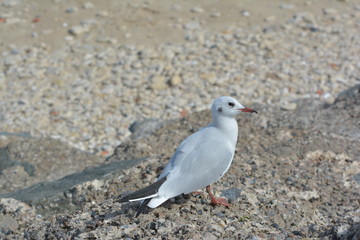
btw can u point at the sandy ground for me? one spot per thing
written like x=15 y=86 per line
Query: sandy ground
x=149 y=23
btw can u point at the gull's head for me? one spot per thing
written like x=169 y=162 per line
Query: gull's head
x=228 y=106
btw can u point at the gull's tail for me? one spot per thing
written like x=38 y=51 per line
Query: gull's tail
x=144 y=194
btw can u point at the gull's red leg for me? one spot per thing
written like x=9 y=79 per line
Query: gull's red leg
x=217 y=201
x=198 y=193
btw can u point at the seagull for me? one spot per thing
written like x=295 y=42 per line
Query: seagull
x=200 y=160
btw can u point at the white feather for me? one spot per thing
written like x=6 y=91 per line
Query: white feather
x=156 y=201
x=143 y=198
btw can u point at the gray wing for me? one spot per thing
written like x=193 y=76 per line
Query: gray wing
x=185 y=147
x=200 y=160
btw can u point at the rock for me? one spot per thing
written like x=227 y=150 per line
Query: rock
x=34 y=35
x=288 y=106
x=286 y=6
x=357 y=178
x=211 y=77
x=144 y=128
x=3 y=84
x=328 y=98
x=197 y=10
x=10 y=206
x=158 y=82
x=19 y=134
x=131 y=81
x=245 y=13
x=78 y=30
x=348 y=232
x=175 y=80
x=232 y=194
x=306 y=195
x=11 y=60
x=7 y=162
x=215 y=15
x=250 y=198
x=88 y=5
x=71 y=10
x=107 y=40
x=192 y=26
x=8 y=222
x=209 y=236
x=52 y=71
x=10 y=3
x=102 y=14
x=329 y=11
x=270 y=18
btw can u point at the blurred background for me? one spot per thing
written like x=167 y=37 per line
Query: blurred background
x=85 y=71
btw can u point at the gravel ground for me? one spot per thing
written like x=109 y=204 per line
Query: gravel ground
x=295 y=175
x=83 y=73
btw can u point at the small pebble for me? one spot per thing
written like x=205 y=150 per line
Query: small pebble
x=158 y=82
x=88 y=5
x=2 y=83
x=245 y=13
x=175 y=80
x=330 y=11
x=78 y=30
x=10 y=3
x=197 y=10
x=209 y=236
x=71 y=10
x=215 y=15
x=328 y=98
x=192 y=26
x=289 y=106
x=286 y=6
x=270 y=18
x=102 y=14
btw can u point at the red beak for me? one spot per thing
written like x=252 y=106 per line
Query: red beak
x=248 y=110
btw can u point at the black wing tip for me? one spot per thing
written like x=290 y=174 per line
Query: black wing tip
x=142 y=207
x=147 y=191
x=122 y=199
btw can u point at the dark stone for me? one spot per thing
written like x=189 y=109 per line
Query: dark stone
x=353 y=233
x=18 y=134
x=145 y=128
x=297 y=233
x=231 y=194
x=357 y=178
x=5 y=160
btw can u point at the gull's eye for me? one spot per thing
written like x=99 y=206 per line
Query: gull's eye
x=231 y=104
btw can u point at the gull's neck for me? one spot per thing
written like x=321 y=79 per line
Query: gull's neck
x=227 y=125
